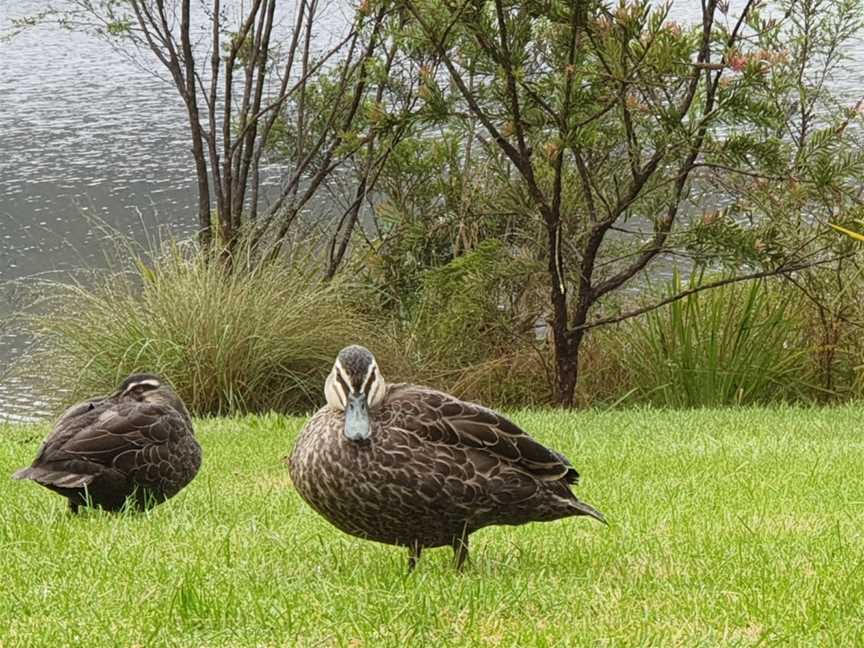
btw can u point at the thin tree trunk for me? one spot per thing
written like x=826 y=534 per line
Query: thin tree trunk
x=204 y=233
x=565 y=364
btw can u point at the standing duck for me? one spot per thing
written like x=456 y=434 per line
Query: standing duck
x=414 y=467
x=138 y=442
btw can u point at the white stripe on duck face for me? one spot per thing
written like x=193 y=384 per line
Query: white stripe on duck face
x=370 y=372
x=342 y=382
x=345 y=386
x=333 y=391
x=150 y=382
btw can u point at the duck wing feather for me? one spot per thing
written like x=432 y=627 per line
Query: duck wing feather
x=442 y=418
x=133 y=438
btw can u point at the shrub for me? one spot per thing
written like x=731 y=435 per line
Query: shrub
x=604 y=380
x=242 y=341
x=738 y=344
x=471 y=330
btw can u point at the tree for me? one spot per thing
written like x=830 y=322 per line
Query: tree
x=609 y=142
x=242 y=88
x=617 y=119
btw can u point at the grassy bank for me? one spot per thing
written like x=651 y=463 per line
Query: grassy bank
x=726 y=528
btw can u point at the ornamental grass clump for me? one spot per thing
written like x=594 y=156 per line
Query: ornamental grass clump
x=738 y=344
x=230 y=341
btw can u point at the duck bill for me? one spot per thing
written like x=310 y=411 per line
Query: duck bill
x=357 y=426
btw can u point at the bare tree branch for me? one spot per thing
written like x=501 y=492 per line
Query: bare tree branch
x=783 y=270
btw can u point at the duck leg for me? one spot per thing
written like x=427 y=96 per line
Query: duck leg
x=460 y=550
x=74 y=504
x=414 y=552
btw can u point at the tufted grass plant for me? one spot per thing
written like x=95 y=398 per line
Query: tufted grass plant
x=739 y=344
x=244 y=341
x=736 y=527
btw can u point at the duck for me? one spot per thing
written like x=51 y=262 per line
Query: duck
x=133 y=448
x=418 y=468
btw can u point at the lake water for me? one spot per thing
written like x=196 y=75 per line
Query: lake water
x=89 y=142
x=84 y=137
x=89 y=139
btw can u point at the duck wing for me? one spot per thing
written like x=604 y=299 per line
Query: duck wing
x=442 y=418
x=132 y=438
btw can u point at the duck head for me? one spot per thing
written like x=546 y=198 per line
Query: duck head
x=150 y=388
x=355 y=386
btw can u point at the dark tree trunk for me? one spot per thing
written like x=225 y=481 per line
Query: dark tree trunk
x=205 y=236
x=566 y=373
x=565 y=362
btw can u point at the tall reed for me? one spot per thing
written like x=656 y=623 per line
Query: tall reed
x=738 y=344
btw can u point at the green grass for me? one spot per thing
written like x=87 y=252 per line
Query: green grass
x=736 y=527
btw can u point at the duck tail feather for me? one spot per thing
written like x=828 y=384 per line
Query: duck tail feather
x=586 y=509
x=23 y=473
x=50 y=477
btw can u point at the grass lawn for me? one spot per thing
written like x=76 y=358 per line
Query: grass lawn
x=737 y=527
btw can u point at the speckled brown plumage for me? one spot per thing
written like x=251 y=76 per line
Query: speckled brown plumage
x=434 y=470
x=137 y=443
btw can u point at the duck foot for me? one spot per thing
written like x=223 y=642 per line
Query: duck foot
x=460 y=551
x=413 y=557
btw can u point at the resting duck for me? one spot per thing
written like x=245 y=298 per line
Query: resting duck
x=137 y=443
x=414 y=467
